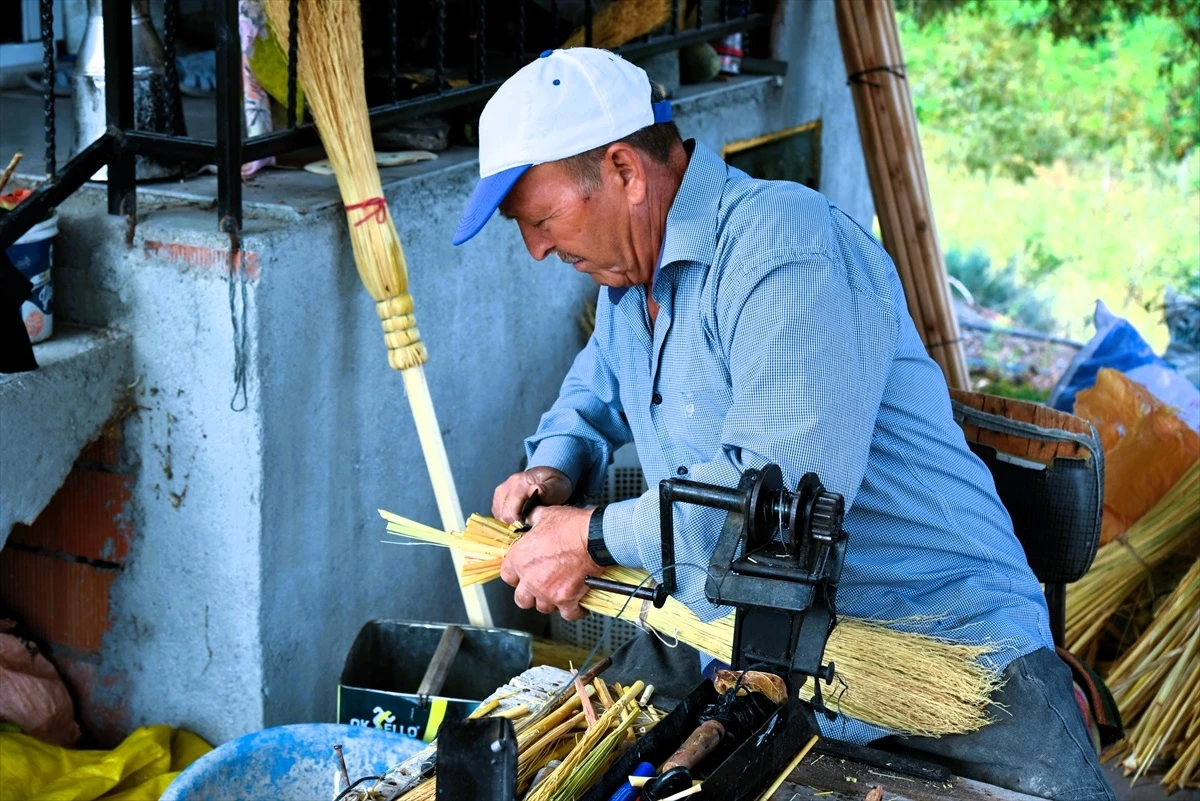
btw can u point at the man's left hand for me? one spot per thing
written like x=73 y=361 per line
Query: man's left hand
x=548 y=564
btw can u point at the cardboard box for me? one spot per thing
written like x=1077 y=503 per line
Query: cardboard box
x=387 y=662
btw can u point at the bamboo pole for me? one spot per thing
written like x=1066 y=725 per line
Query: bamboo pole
x=330 y=66
x=895 y=167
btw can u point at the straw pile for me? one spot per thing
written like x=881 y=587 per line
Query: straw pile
x=1157 y=683
x=583 y=750
x=330 y=66
x=912 y=683
x=1123 y=566
x=896 y=169
x=622 y=21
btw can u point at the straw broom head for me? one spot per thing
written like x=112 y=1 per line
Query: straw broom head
x=913 y=683
x=330 y=67
x=621 y=21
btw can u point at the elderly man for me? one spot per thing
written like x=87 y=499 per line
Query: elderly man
x=743 y=322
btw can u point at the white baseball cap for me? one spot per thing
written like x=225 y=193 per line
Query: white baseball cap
x=562 y=104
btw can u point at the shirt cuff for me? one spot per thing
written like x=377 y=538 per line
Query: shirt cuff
x=620 y=534
x=569 y=455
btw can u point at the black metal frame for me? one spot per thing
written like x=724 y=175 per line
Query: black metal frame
x=121 y=144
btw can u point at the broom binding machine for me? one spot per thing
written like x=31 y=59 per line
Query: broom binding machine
x=777 y=561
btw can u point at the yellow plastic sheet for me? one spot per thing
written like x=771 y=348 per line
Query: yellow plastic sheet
x=139 y=769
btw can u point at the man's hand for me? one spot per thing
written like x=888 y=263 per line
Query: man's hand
x=553 y=488
x=548 y=564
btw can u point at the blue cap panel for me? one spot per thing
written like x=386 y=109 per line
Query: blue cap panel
x=488 y=195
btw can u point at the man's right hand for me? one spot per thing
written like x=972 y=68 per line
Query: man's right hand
x=553 y=487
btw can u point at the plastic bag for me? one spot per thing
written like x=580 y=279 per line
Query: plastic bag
x=31 y=693
x=1181 y=313
x=139 y=769
x=1147 y=447
x=1118 y=345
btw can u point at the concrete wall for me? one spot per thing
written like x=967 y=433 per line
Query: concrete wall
x=256 y=551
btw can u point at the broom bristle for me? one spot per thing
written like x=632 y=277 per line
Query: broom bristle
x=330 y=66
x=913 y=683
x=622 y=21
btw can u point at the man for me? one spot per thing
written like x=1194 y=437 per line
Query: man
x=745 y=322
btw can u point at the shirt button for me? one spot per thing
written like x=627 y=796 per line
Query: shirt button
x=656 y=399
x=682 y=470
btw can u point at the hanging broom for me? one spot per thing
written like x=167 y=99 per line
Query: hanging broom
x=915 y=684
x=330 y=67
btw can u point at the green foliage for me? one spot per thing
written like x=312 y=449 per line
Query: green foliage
x=1001 y=289
x=1017 y=85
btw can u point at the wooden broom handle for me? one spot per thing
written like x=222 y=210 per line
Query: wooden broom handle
x=444 y=491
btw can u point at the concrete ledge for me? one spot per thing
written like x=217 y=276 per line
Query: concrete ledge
x=49 y=415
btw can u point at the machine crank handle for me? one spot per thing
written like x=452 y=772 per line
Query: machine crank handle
x=656 y=595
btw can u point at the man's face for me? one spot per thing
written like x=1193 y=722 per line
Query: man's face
x=588 y=230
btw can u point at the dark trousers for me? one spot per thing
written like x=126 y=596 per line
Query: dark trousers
x=1037 y=743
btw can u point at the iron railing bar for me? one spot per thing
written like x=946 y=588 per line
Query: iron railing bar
x=118 y=101
x=179 y=148
x=673 y=23
x=717 y=30
x=293 y=47
x=46 y=10
x=229 y=118
x=50 y=194
x=170 y=68
x=439 y=75
x=587 y=23
x=278 y=142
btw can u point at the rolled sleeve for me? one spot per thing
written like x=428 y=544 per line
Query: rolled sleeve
x=569 y=455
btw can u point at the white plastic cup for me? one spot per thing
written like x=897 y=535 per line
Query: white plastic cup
x=33 y=254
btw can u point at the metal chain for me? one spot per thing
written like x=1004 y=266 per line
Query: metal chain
x=440 y=66
x=699 y=13
x=293 y=48
x=394 y=50
x=47 y=12
x=482 y=40
x=237 y=280
x=170 y=18
x=520 y=31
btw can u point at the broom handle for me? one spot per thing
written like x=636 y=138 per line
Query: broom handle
x=444 y=491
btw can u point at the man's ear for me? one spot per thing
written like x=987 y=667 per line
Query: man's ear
x=625 y=164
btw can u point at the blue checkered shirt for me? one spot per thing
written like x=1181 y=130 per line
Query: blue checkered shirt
x=783 y=336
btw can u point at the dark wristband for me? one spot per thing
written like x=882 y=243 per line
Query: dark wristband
x=596 y=548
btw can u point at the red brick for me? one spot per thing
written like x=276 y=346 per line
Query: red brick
x=104 y=450
x=57 y=600
x=88 y=517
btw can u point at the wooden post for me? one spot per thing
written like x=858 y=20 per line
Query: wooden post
x=887 y=125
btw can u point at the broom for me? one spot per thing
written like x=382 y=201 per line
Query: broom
x=912 y=683
x=1157 y=684
x=1123 y=565
x=622 y=21
x=330 y=66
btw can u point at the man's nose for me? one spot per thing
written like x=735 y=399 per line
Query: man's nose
x=537 y=243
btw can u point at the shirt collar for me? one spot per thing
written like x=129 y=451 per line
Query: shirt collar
x=691 y=231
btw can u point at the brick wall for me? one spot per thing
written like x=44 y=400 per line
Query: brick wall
x=56 y=576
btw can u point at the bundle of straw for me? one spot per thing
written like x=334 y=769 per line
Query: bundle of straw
x=896 y=169
x=912 y=683
x=1124 y=565
x=1157 y=684
x=330 y=67
x=622 y=21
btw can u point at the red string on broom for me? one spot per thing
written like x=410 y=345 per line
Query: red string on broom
x=376 y=207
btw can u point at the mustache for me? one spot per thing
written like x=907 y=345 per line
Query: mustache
x=567 y=258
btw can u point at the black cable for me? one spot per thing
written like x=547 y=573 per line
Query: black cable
x=345 y=793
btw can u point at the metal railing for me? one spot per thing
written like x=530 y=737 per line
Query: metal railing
x=119 y=146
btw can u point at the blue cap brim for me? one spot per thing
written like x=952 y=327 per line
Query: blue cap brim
x=486 y=198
